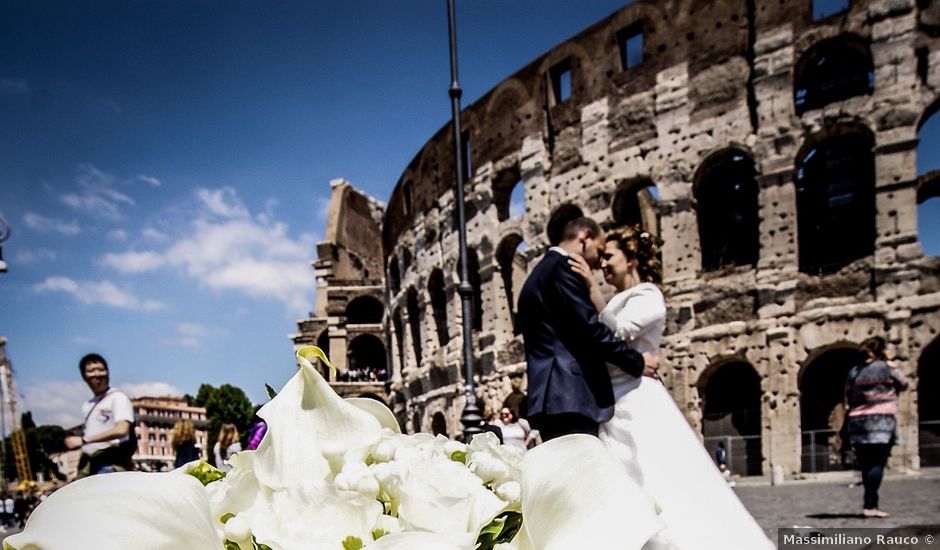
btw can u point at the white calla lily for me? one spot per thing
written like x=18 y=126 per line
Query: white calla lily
x=144 y=511
x=331 y=428
x=575 y=494
x=415 y=541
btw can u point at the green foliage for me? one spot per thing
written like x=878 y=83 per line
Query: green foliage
x=226 y=517
x=40 y=441
x=225 y=404
x=272 y=393
x=459 y=456
x=502 y=529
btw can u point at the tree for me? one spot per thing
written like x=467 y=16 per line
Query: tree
x=225 y=404
x=40 y=441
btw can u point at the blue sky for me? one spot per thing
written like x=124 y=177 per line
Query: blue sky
x=165 y=168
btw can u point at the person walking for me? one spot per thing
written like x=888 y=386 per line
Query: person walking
x=227 y=445
x=184 y=443
x=871 y=397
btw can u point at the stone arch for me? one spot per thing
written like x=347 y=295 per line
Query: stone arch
x=364 y=310
x=512 y=268
x=821 y=382
x=579 y=62
x=730 y=390
x=928 y=174
x=438 y=295
x=928 y=407
x=439 y=424
x=832 y=70
x=366 y=360
x=636 y=202
x=835 y=197
x=507 y=185
x=725 y=190
x=559 y=218
x=414 y=323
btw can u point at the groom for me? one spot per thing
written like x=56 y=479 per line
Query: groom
x=566 y=345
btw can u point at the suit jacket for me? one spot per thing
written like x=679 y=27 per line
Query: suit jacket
x=567 y=346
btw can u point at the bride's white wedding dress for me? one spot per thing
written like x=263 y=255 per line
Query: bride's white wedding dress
x=661 y=451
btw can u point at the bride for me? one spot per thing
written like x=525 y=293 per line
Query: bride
x=648 y=433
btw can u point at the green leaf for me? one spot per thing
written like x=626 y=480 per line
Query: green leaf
x=229 y=545
x=378 y=533
x=226 y=517
x=459 y=456
x=352 y=543
x=205 y=473
x=272 y=393
x=503 y=528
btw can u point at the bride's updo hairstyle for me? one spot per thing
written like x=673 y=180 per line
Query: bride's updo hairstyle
x=641 y=245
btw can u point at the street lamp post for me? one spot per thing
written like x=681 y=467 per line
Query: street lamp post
x=470 y=418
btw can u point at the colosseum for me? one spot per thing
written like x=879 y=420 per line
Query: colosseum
x=774 y=150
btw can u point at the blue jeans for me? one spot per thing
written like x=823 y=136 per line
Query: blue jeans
x=872 y=458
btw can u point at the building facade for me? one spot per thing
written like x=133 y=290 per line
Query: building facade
x=155 y=417
x=774 y=150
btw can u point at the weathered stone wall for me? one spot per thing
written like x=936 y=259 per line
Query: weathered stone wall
x=715 y=76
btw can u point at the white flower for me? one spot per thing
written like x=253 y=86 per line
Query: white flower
x=331 y=471
x=143 y=511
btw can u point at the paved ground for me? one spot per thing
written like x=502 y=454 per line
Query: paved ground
x=913 y=500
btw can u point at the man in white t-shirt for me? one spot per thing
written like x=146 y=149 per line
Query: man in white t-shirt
x=107 y=442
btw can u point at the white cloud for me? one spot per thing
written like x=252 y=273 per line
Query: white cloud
x=150 y=179
x=192 y=335
x=151 y=234
x=33 y=256
x=236 y=252
x=44 y=224
x=134 y=262
x=149 y=389
x=57 y=401
x=223 y=202
x=97 y=292
x=117 y=235
x=97 y=194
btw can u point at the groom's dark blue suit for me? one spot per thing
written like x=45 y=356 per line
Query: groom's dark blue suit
x=566 y=348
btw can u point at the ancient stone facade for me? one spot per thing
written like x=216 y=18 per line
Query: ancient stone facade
x=773 y=150
x=350 y=305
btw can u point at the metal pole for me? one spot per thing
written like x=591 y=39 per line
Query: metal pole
x=471 y=418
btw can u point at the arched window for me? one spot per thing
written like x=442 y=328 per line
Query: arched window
x=726 y=193
x=508 y=194
x=835 y=198
x=473 y=273
x=399 y=337
x=414 y=322
x=512 y=268
x=367 y=361
x=394 y=275
x=731 y=416
x=822 y=391
x=833 y=70
x=364 y=310
x=928 y=407
x=928 y=182
x=636 y=203
x=439 y=424
x=438 y=304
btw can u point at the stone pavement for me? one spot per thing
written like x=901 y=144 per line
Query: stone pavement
x=830 y=502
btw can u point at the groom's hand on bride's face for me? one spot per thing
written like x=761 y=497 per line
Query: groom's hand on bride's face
x=651 y=365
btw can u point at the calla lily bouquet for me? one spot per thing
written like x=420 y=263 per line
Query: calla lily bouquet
x=338 y=474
